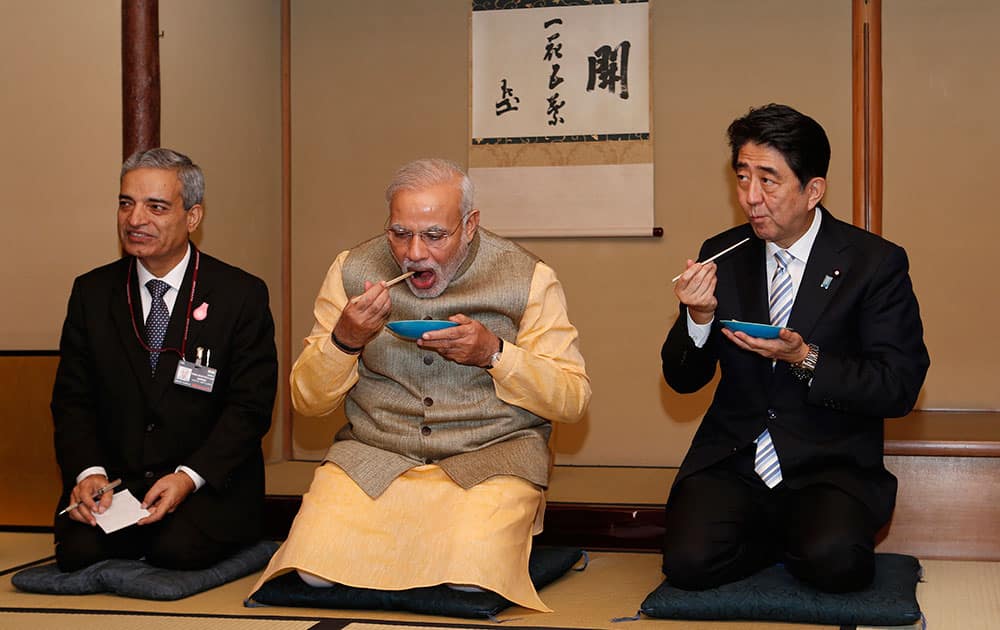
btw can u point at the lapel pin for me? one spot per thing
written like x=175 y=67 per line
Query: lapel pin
x=828 y=279
x=201 y=312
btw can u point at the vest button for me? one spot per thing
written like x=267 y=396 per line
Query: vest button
x=428 y=359
x=428 y=401
x=771 y=414
x=425 y=430
x=148 y=474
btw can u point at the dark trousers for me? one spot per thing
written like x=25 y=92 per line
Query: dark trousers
x=173 y=543
x=724 y=524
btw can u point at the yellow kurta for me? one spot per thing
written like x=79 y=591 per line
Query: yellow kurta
x=422 y=531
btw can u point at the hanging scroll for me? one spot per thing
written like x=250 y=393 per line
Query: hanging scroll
x=561 y=142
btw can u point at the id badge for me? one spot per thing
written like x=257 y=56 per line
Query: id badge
x=195 y=376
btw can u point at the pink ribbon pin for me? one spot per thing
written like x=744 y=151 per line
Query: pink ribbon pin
x=201 y=312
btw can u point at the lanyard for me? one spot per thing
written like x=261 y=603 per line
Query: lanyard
x=187 y=322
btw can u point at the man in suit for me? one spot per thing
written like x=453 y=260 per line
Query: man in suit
x=786 y=465
x=166 y=380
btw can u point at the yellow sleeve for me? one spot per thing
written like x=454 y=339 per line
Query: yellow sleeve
x=323 y=373
x=542 y=370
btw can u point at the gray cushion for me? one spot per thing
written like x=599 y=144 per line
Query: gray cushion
x=135 y=578
x=545 y=565
x=774 y=595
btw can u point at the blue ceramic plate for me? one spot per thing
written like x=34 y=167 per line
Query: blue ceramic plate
x=762 y=331
x=411 y=329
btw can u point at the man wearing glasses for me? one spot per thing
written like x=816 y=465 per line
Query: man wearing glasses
x=438 y=475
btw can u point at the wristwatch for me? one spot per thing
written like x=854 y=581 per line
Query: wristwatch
x=495 y=357
x=803 y=370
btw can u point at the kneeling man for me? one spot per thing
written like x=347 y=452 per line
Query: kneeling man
x=438 y=476
x=166 y=382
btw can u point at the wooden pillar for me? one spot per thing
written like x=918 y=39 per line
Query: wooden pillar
x=285 y=410
x=140 y=76
x=866 y=43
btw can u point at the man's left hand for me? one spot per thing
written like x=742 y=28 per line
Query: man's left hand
x=166 y=494
x=789 y=346
x=469 y=343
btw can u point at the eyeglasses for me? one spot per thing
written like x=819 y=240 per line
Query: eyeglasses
x=433 y=238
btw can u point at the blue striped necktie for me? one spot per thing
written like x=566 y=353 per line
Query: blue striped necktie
x=766 y=463
x=157 y=320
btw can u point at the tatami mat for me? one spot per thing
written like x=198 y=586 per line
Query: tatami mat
x=17 y=549
x=960 y=595
x=76 y=621
x=58 y=620
x=953 y=596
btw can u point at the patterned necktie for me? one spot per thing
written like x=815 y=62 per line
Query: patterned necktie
x=156 y=322
x=781 y=289
x=766 y=463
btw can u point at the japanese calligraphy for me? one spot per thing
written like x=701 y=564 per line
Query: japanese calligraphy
x=504 y=105
x=551 y=48
x=609 y=69
x=559 y=70
x=553 y=51
x=554 y=106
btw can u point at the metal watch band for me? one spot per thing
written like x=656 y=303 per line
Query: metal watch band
x=495 y=357
x=803 y=370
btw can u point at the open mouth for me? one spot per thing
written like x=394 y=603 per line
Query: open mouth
x=422 y=278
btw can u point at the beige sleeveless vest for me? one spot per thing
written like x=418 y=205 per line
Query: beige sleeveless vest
x=413 y=407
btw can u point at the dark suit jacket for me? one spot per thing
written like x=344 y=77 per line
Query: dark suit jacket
x=872 y=362
x=109 y=411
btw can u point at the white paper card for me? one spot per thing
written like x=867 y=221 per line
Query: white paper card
x=125 y=510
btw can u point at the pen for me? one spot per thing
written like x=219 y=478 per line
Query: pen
x=97 y=495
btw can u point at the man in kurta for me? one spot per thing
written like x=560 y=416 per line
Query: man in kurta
x=438 y=475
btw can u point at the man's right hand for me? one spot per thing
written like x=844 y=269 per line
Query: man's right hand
x=696 y=290
x=364 y=316
x=83 y=492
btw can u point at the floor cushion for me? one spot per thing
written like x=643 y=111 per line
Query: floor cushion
x=774 y=595
x=545 y=565
x=135 y=578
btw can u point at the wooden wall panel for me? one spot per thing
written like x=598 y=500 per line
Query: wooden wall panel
x=31 y=483
x=940 y=59
x=60 y=116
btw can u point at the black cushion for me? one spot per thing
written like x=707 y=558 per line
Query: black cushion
x=135 y=578
x=774 y=595
x=545 y=565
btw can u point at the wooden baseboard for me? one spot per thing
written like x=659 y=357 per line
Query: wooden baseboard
x=947 y=433
x=947 y=508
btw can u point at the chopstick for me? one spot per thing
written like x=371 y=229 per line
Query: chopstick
x=389 y=283
x=399 y=278
x=725 y=251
